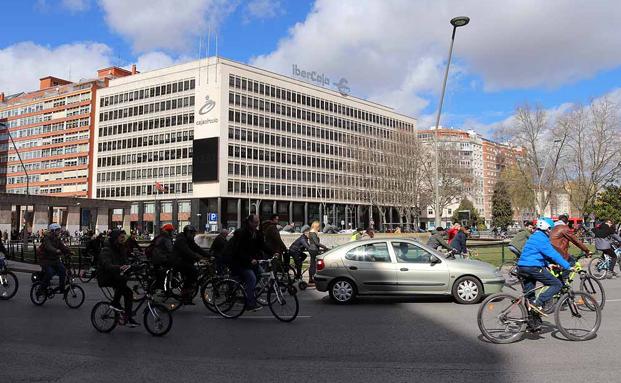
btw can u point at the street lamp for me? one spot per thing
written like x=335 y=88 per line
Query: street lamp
x=456 y=22
x=545 y=164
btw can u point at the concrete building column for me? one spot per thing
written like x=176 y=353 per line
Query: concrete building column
x=239 y=212
x=321 y=216
x=358 y=214
x=334 y=215
x=290 y=211
x=41 y=217
x=194 y=217
x=371 y=217
x=156 y=220
x=175 y=214
x=390 y=218
x=5 y=218
x=127 y=226
x=306 y=213
x=219 y=212
x=274 y=208
x=103 y=219
x=73 y=219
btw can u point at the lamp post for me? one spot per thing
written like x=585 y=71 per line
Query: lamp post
x=545 y=164
x=456 y=22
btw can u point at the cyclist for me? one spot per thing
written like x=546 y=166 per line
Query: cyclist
x=52 y=248
x=296 y=250
x=561 y=235
x=437 y=239
x=113 y=263
x=131 y=244
x=537 y=253
x=603 y=234
x=459 y=241
x=358 y=234
x=245 y=249
x=217 y=250
x=271 y=236
x=519 y=240
x=187 y=254
x=162 y=254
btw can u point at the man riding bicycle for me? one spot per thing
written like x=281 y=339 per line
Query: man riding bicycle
x=187 y=253
x=536 y=255
x=112 y=264
x=519 y=240
x=560 y=237
x=52 y=248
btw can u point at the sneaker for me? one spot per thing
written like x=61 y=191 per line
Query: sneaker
x=132 y=323
x=537 y=309
x=255 y=308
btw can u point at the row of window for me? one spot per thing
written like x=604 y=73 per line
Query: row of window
x=258 y=87
x=49 y=104
x=137 y=174
x=156 y=91
x=139 y=126
x=144 y=190
x=138 y=142
x=161 y=155
x=53 y=127
x=279 y=173
x=294 y=191
x=165 y=207
x=247 y=153
x=312 y=117
x=139 y=110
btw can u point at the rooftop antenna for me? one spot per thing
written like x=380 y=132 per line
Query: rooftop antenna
x=216 y=56
x=200 y=47
x=208 y=44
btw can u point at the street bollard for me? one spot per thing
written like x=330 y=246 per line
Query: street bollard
x=502 y=259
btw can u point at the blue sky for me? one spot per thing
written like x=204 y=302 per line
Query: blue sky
x=391 y=51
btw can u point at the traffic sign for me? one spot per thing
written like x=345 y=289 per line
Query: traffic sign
x=212 y=218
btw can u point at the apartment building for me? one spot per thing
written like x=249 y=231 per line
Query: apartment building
x=212 y=140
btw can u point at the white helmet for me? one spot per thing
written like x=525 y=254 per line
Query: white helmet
x=544 y=223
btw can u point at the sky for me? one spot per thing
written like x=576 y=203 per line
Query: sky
x=555 y=53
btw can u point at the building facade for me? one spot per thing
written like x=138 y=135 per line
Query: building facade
x=52 y=129
x=220 y=137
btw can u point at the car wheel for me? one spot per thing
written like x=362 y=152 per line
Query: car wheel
x=467 y=290
x=342 y=291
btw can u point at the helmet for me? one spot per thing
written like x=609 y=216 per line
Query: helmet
x=53 y=226
x=544 y=223
x=189 y=229
x=168 y=227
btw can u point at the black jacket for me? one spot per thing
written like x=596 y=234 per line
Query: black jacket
x=437 y=240
x=164 y=250
x=314 y=243
x=299 y=245
x=459 y=242
x=272 y=239
x=111 y=259
x=218 y=246
x=186 y=250
x=49 y=247
x=245 y=246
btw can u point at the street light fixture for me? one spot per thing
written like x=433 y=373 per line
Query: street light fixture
x=545 y=164
x=456 y=22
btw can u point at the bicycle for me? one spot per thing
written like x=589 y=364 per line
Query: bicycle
x=73 y=295
x=9 y=283
x=600 y=264
x=281 y=294
x=156 y=318
x=503 y=318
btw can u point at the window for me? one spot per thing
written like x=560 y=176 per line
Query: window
x=374 y=252
x=409 y=253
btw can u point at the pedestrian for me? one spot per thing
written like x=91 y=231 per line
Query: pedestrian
x=314 y=249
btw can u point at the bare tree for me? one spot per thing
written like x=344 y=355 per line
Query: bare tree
x=592 y=151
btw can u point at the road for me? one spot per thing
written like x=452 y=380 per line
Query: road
x=375 y=339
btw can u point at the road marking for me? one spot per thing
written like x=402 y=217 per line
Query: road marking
x=254 y=317
x=613 y=300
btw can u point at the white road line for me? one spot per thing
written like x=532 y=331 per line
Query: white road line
x=613 y=300
x=255 y=317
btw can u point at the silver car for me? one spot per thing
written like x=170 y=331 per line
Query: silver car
x=402 y=267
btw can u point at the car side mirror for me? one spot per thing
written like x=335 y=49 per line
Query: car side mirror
x=434 y=260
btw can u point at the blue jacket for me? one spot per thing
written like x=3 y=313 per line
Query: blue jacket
x=538 y=251
x=459 y=242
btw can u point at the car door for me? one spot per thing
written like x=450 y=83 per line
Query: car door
x=372 y=268
x=415 y=271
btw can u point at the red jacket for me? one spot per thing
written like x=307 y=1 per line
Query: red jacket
x=451 y=233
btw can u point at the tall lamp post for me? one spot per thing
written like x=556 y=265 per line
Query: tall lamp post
x=540 y=198
x=456 y=22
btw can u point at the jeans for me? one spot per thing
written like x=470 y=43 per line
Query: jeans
x=312 y=268
x=298 y=259
x=249 y=279
x=55 y=269
x=119 y=284
x=540 y=274
x=572 y=262
x=613 y=259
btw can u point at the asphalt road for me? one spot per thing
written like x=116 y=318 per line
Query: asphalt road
x=376 y=339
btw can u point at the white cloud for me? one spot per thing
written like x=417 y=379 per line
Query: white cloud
x=76 y=5
x=156 y=60
x=165 y=24
x=22 y=64
x=394 y=51
x=263 y=9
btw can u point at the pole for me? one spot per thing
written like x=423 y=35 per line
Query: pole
x=437 y=208
x=21 y=162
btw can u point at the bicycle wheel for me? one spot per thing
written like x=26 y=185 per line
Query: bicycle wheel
x=137 y=288
x=74 y=296
x=598 y=267
x=8 y=285
x=260 y=292
x=594 y=288
x=502 y=318
x=282 y=303
x=157 y=319
x=103 y=318
x=509 y=272
x=207 y=295
x=38 y=293
x=578 y=316
x=229 y=298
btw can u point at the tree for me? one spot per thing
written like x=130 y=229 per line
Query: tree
x=607 y=205
x=592 y=151
x=502 y=213
x=466 y=205
x=519 y=189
